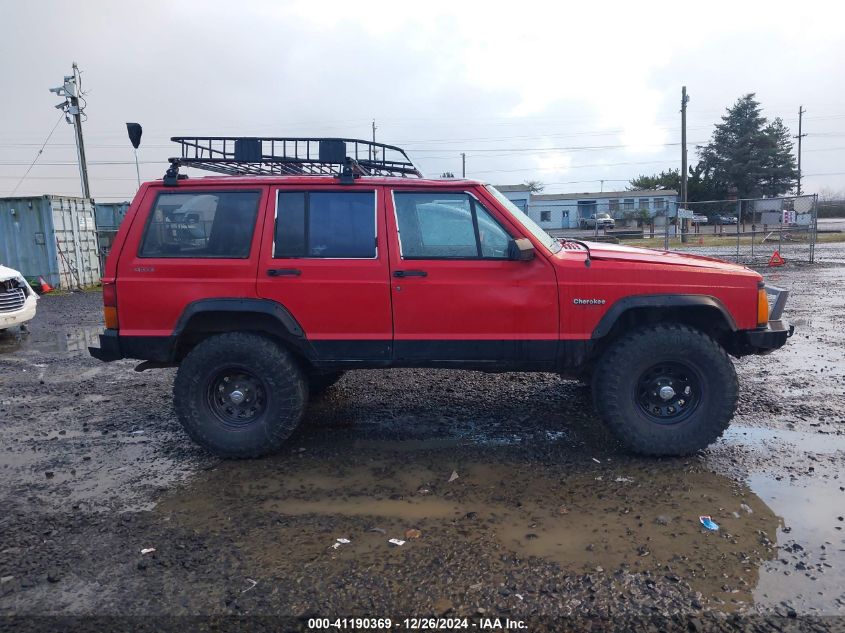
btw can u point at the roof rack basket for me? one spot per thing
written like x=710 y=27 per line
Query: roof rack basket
x=268 y=156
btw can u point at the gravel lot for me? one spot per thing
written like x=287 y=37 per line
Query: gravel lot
x=510 y=497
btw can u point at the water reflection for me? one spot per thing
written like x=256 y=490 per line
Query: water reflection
x=637 y=517
x=71 y=340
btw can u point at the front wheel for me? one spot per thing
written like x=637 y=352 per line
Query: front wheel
x=239 y=395
x=665 y=390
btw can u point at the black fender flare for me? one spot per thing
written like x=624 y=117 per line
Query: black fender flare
x=659 y=301
x=287 y=325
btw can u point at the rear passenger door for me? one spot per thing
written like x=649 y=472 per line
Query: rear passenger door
x=324 y=258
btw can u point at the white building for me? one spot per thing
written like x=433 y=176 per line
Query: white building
x=565 y=210
x=520 y=195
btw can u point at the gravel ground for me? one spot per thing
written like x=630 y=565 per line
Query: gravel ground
x=512 y=500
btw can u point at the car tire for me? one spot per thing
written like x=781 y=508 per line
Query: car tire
x=318 y=384
x=240 y=395
x=665 y=390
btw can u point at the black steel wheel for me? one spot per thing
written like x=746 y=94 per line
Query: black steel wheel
x=668 y=392
x=237 y=396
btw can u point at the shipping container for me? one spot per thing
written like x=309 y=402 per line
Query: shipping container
x=54 y=237
x=109 y=216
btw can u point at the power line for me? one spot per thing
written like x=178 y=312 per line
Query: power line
x=516 y=121
x=34 y=160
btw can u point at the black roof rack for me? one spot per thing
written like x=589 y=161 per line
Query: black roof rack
x=346 y=158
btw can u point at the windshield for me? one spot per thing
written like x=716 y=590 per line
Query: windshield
x=530 y=225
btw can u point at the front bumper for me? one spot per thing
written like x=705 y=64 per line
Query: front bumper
x=26 y=313
x=770 y=338
x=776 y=332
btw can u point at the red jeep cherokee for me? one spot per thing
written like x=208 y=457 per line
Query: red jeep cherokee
x=310 y=257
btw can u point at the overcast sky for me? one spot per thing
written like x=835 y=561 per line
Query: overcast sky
x=565 y=93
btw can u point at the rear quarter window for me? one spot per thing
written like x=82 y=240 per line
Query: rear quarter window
x=205 y=224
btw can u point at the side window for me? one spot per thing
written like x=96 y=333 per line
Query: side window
x=446 y=226
x=201 y=225
x=491 y=236
x=330 y=224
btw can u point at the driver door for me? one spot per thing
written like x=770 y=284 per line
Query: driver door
x=457 y=297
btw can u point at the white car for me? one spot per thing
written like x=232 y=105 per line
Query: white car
x=17 y=299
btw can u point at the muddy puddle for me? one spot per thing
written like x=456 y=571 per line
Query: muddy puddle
x=808 y=494
x=65 y=340
x=637 y=516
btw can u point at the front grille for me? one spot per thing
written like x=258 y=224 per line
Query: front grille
x=12 y=300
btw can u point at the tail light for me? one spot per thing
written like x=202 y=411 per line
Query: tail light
x=762 y=307
x=110 y=305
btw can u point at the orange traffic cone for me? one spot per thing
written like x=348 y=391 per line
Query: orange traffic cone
x=45 y=287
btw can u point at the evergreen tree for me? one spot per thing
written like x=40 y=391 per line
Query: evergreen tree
x=749 y=154
x=781 y=172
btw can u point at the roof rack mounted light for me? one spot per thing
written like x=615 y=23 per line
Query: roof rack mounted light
x=344 y=158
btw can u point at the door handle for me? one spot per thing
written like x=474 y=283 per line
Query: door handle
x=283 y=272
x=409 y=273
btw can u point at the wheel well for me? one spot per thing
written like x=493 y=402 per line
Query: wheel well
x=205 y=324
x=707 y=319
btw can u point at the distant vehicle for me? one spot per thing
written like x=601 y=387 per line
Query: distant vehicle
x=603 y=220
x=17 y=299
x=726 y=219
x=699 y=218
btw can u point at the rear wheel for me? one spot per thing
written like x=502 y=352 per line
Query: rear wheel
x=239 y=395
x=665 y=390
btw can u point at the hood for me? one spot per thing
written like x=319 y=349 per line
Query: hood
x=618 y=252
x=11 y=273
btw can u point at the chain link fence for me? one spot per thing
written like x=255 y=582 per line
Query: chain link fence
x=747 y=231
x=762 y=226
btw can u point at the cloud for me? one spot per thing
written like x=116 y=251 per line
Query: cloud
x=573 y=91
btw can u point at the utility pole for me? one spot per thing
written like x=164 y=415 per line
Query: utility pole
x=801 y=112
x=684 y=101
x=375 y=151
x=602 y=186
x=463 y=165
x=71 y=90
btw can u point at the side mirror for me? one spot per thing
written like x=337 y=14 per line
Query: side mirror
x=520 y=250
